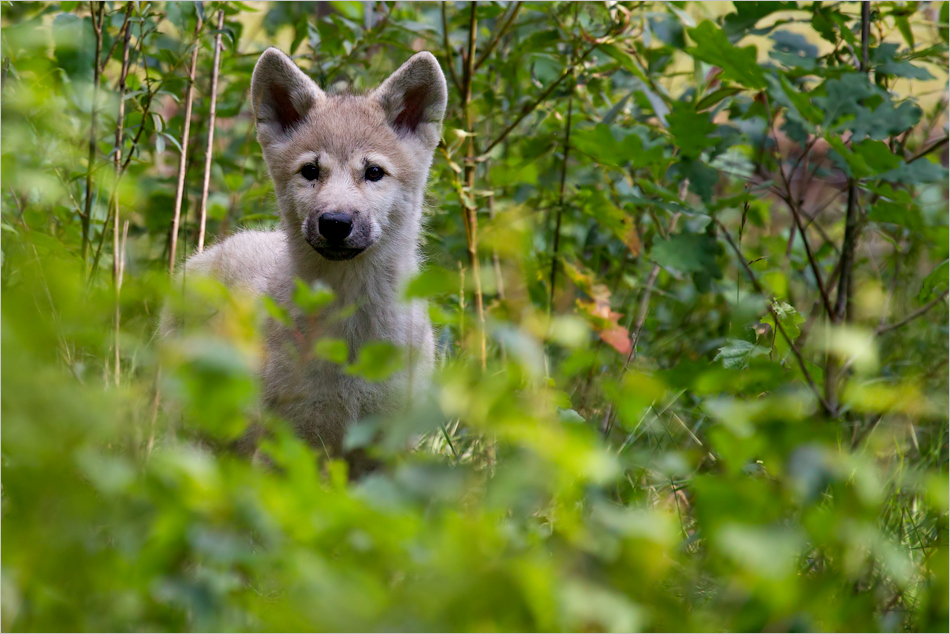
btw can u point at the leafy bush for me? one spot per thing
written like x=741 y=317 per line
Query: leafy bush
x=689 y=267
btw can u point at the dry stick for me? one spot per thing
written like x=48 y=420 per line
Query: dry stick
x=560 y=200
x=133 y=145
x=468 y=203
x=120 y=272
x=93 y=125
x=645 y=300
x=203 y=212
x=182 y=162
x=914 y=315
x=495 y=259
x=778 y=322
x=118 y=250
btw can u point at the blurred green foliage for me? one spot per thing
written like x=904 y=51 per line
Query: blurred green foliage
x=690 y=417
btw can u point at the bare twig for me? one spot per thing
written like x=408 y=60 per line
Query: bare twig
x=647 y=292
x=468 y=200
x=448 y=49
x=914 y=315
x=182 y=162
x=120 y=271
x=122 y=29
x=497 y=35
x=118 y=246
x=826 y=302
x=775 y=317
x=529 y=108
x=203 y=210
x=851 y=232
x=132 y=146
x=930 y=148
x=97 y=22
x=560 y=200
x=119 y=131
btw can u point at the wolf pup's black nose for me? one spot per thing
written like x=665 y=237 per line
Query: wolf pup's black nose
x=335 y=226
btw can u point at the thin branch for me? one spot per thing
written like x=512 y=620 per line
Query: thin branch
x=496 y=37
x=927 y=150
x=119 y=131
x=468 y=202
x=86 y=216
x=775 y=317
x=914 y=315
x=529 y=108
x=899 y=255
x=183 y=159
x=647 y=292
x=118 y=246
x=826 y=302
x=122 y=29
x=203 y=210
x=132 y=147
x=851 y=232
x=120 y=271
x=448 y=49
x=560 y=200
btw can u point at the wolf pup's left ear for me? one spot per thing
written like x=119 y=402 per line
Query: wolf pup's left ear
x=414 y=98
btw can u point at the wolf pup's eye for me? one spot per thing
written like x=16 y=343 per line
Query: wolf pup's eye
x=374 y=173
x=310 y=171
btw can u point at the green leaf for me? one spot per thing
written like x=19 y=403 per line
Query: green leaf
x=885 y=59
x=624 y=59
x=432 y=282
x=738 y=64
x=702 y=178
x=791 y=322
x=876 y=155
x=312 y=298
x=794 y=50
x=735 y=355
x=749 y=13
x=944 y=21
x=687 y=252
x=332 y=350
x=798 y=105
x=716 y=96
x=377 y=361
x=601 y=144
x=903 y=25
x=901 y=214
x=278 y=312
x=690 y=129
x=934 y=284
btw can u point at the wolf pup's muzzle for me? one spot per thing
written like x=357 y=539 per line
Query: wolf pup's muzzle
x=337 y=235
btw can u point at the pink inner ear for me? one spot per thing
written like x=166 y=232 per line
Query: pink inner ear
x=284 y=109
x=413 y=109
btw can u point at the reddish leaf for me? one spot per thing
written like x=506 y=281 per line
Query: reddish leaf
x=618 y=338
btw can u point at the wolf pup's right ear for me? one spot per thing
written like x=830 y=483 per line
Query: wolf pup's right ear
x=414 y=98
x=281 y=95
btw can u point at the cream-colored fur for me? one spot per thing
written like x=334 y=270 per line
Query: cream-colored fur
x=395 y=127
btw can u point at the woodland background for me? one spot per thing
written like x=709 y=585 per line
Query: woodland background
x=688 y=262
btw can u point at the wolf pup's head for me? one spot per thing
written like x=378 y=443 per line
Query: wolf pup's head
x=348 y=169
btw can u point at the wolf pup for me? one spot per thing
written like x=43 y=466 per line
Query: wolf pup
x=349 y=173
